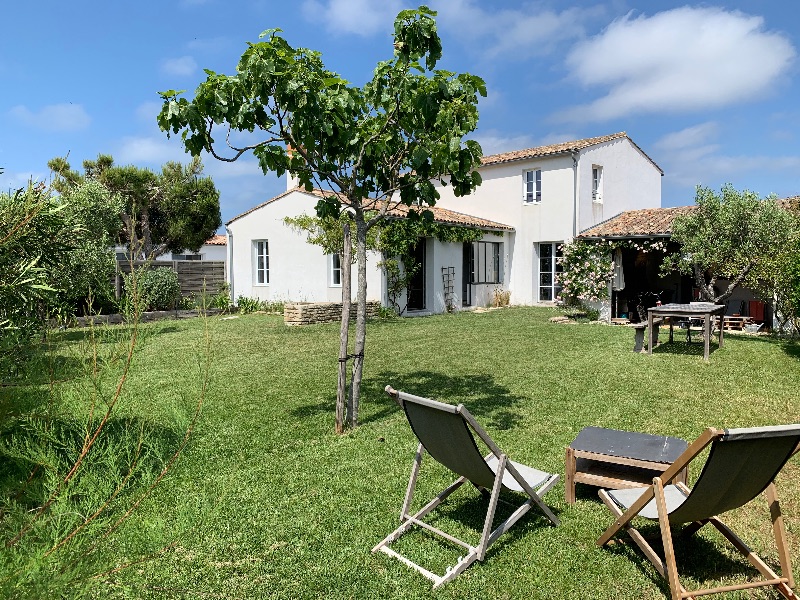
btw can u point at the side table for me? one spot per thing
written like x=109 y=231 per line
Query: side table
x=614 y=459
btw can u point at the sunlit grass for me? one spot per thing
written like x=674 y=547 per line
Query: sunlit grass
x=266 y=502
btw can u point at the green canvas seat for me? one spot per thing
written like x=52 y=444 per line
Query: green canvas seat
x=445 y=431
x=741 y=464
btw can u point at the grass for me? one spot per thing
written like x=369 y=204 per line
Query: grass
x=266 y=502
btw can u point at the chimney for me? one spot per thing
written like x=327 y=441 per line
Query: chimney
x=291 y=181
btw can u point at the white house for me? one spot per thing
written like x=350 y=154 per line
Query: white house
x=271 y=261
x=530 y=202
x=214 y=248
x=550 y=194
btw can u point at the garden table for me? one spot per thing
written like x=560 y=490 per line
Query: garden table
x=695 y=310
x=614 y=459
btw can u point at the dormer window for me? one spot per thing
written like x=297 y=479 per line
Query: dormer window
x=597 y=184
x=532 y=186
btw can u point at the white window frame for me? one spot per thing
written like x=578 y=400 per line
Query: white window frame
x=554 y=286
x=335 y=270
x=260 y=269
x=597 y=184
x=532 y=186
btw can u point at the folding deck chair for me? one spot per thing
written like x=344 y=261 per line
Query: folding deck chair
x=443 y=431
x=741 y=464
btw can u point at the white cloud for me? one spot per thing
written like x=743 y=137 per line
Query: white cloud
x=179 y=67
x=12 y=180
x=55 y=117
x=360 y=17
x=494 y=142
x=511 y=33
x=680 y=60
x=692 y=157
x=150 y=151
x=148 y=111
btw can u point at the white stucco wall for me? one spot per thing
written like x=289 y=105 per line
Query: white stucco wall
x=298 y=271
x=631 y=181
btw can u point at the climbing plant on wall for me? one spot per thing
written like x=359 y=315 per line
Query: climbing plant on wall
x=395 y=239
x=587 y=266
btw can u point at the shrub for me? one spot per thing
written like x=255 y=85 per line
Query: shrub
x=159 y=288
x=501 y=297
x=248 y=305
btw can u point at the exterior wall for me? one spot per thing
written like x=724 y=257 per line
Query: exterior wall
x=631 y=181
x=207 y=252
x=298 y=271
x=444 y=255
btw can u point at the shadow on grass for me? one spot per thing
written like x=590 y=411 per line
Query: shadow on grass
x=490 y=402
x=700 y=561
x=696 y=348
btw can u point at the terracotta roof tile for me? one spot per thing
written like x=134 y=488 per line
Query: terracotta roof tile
x=450 y=217
x=217 y=240
x=560 y=148
x=653 y=222
x=441 y=215
x=645 y=222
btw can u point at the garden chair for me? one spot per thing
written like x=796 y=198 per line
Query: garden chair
x=443 y=431
x=741 y=464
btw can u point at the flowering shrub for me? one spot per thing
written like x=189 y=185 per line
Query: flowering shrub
x=586 y=268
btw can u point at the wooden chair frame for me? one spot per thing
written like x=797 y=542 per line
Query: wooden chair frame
x=667 y=566
x=488 y=536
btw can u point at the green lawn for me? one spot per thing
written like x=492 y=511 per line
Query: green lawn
x=266 y=502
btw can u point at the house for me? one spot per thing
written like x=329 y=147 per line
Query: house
x=271 y=261
x=530 y=202
x=549 y=194
x=643 y=281
x=215 y=248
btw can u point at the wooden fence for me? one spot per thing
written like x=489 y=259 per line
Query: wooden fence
x=193 y=275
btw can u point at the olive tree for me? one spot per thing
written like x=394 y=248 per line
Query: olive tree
x=730 y=235
x=369 y=147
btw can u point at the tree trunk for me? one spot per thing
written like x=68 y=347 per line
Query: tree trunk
x=361 y=321
x=344 y=334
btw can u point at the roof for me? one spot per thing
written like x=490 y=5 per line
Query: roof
x=216 y=240
x=561 y=148
x=440 y=215
x=645 y=222
x=449 y=217
x=653 y=222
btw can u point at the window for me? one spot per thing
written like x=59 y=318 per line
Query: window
x=532 y=192
x=336 y=270
x=261 y=249
x=597 y=183
x=486 y=262
x=187 y=256
x=549 y=267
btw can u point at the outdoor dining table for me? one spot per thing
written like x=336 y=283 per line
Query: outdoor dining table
x=696 y=310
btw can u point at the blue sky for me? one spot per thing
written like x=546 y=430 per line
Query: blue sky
x=709 y=91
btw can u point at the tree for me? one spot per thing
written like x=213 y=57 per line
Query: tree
x=371 y=148
x=170 y=211
x=729 y=236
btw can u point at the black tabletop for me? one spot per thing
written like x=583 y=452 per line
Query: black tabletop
x=628 y=444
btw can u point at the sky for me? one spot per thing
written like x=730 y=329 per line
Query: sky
x=708 y=90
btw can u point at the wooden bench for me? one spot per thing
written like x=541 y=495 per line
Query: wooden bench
x=638 y=334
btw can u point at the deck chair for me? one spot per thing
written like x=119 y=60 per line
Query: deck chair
x=444 y=432
x=741 y=464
